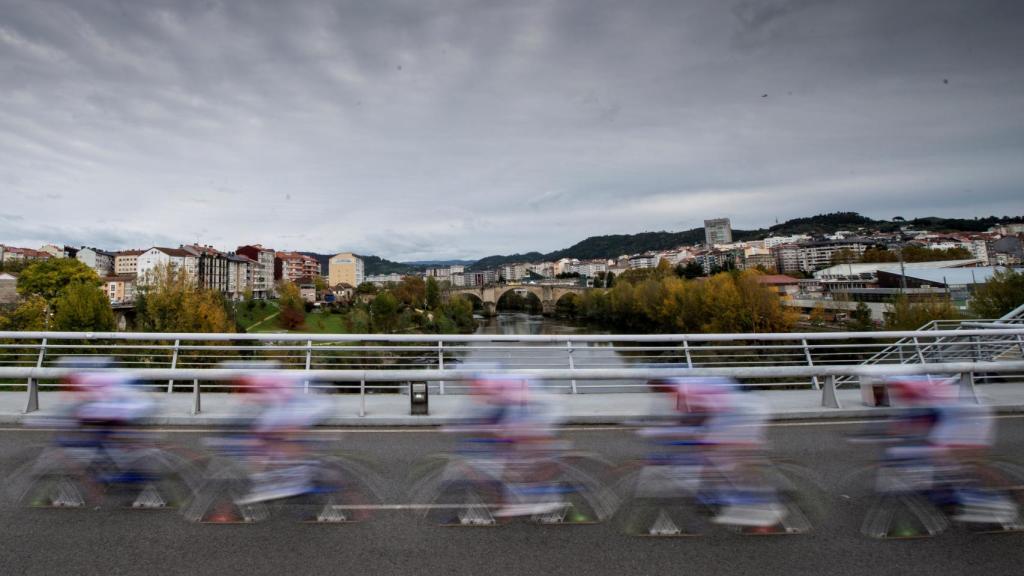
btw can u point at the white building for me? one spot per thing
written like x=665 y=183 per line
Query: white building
x=240 y=275
x=100 y=261
x=643 y=261
x=773 y=241
x=176 y=258
x=513 y=272
x=717 y=231
x=590 y=268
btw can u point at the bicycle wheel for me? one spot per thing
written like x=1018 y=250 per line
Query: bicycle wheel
x=900 y=516
x=53 y=479
x=655 y=504
x=341 y=492
x=217 y=498
x=584 y=498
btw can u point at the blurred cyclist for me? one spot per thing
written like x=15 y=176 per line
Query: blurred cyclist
x=518 y=421
x=728 y=427
x=278 y=458
x=938 y=439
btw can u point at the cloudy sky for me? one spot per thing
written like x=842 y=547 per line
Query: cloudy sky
x=457 y=129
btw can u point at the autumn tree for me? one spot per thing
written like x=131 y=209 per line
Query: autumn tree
x=293 y=308
x=28 y=316
x=904 y=314
x=170 y=301
x=411 y=291
x=1000 y=295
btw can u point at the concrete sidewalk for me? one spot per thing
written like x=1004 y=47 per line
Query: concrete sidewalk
x=393 y=409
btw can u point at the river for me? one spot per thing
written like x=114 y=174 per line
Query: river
x=533 y=355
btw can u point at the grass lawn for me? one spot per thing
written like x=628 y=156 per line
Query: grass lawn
x=247 y=318
x=316 y=323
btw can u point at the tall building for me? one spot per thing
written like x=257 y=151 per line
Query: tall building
x=99 y=260
x=156 y=257
x=717 y=231
x=262 y=270
x=295 y=266
x=345 y=268
x=126 y=262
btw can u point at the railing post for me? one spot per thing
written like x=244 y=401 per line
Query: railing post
x=967 y=391
x=174 y=364
x=362 y=398
x=196 y=400
x=686 y=350
x=920 y=355
x=810 y=362
x=32 y=386
x=828 y=394
x=572 y=365
x=309 y=359
x=440 y=364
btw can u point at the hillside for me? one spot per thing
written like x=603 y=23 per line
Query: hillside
x=613 y=245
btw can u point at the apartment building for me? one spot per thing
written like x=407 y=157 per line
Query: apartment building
x=56 y=251
x=101 y=261
x=811 y=256
x=345 y=268
x=8 y=253
x=294 y=266
x=120 y=289
x=157 y=256
x=126 y=262
x=211 y=267
x=717 y=231
x=262 y=271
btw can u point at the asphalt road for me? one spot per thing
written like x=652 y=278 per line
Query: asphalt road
x=122 y=541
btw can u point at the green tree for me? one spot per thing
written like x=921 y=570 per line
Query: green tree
x=693 y=269
x=1000 y=295
x=48 y=278
x=860 y=319
x=385 y=309
x=83 y=307
x=902 y=314
x=366 y=288
x=433 y=294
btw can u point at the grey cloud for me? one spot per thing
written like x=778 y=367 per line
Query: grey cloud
x=456 y=128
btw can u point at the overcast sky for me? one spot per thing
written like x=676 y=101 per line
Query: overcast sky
x=458 y=129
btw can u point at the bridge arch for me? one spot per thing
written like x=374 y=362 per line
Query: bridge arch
x=546 y=293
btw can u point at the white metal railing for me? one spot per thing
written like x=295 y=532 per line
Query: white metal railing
x=213 y=379
x=943 y=348
x=312 y=352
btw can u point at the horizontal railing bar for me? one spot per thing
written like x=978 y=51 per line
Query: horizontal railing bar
x=553 y=374
x=433 y=338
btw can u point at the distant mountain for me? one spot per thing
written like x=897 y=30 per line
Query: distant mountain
x=430 y=263
x=374 y=265
x=613 y=245
x=491 y=262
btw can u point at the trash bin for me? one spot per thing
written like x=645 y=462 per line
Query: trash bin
x=419 y=399
x=874 y=392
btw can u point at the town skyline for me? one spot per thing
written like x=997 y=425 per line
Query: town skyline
x=172 y=243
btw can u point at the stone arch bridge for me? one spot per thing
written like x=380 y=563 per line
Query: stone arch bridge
x=548 y=295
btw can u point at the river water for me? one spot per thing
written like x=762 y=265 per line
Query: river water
x=542 y=355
